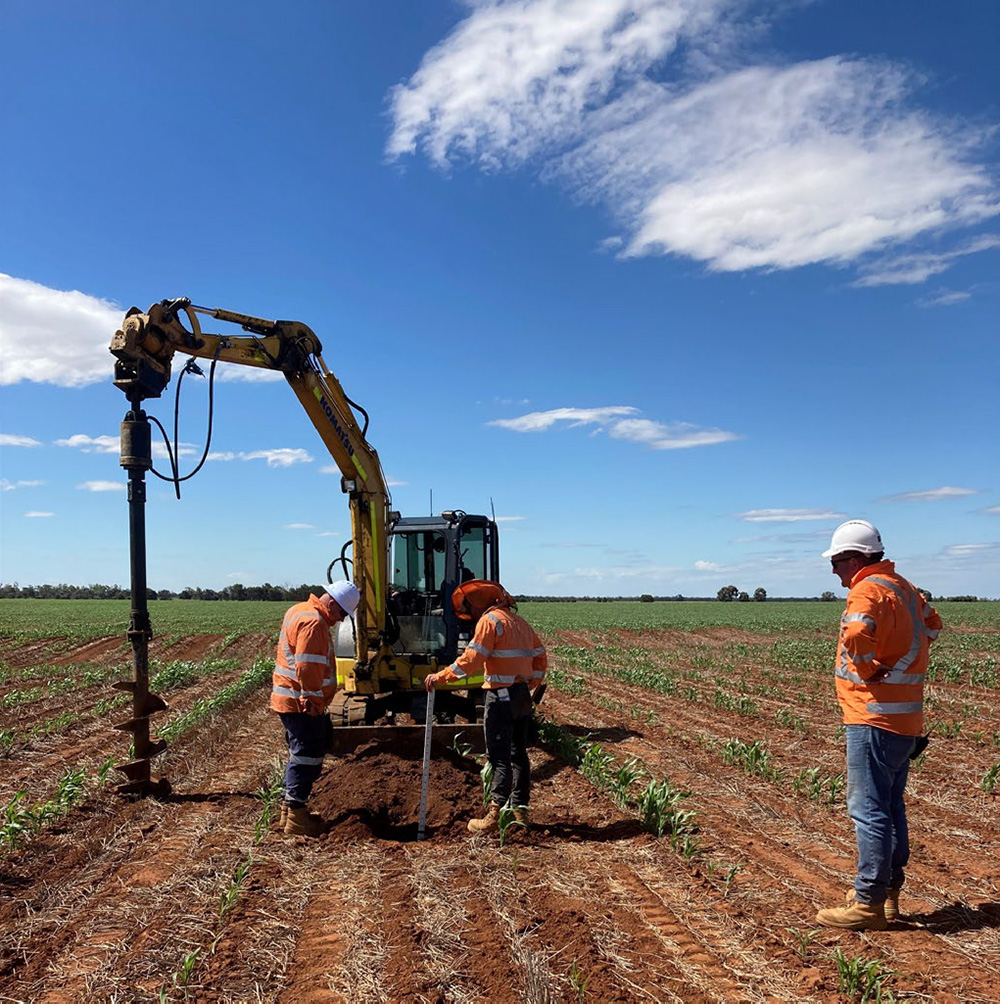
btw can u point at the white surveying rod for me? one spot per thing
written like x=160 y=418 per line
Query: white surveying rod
x=425 y=777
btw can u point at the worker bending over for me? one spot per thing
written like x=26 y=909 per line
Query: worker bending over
x=512 y=659
x=885 y=635
x=303 y=684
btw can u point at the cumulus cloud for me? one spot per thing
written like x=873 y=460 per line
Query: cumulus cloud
x=787 y=515
x=74 y=328
x=9 y=439
x=91 y=444
x=736 y=166
x=930 y=495
x=707 y=566
x=612 y=420
x=101 y=486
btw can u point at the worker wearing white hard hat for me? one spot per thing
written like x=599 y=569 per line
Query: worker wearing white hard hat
x=302 y=686
x=882 y=654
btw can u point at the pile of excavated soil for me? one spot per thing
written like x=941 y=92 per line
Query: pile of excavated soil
x=375 y=791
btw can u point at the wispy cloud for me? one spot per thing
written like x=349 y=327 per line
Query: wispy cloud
x=101 y=486
x=74 y=328
x=944 y=298
x=281 y=457
x=915 y=268
x=647 y=107
x=970 y=550
x=510 y=519
x=992 y=510
x=930 y=495
x=13 y=486
x=299 y=526
x=8 y=439
x=787 y=515
x=38 y=515
x=655 y=435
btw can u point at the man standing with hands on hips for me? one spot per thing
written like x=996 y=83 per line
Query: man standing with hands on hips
x=885 y=635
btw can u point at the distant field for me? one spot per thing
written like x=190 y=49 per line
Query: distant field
x=45 y=618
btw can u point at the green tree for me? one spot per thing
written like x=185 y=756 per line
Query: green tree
x=646 y=598
x=744 y=597
x=828 y=595
x=760 y=594
x=727 y=594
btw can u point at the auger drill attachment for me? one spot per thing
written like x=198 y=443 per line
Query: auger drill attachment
x=136 y=458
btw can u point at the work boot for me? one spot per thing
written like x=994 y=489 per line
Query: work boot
x=890 y=907
x=283 y=816
x=854 y=916
x=301 y=822
x=521 y=815
x=488 y=822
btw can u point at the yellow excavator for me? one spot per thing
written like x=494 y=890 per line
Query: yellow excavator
x=405 y=568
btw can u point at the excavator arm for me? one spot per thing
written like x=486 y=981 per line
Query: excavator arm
x=144 y=349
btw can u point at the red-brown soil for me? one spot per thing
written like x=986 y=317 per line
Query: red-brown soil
x=107 y=903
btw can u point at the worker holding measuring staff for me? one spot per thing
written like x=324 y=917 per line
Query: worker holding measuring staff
x=885 y=635
x=302 y=686
x=506 y=649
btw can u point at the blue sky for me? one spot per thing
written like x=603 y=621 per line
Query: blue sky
x=675 y=286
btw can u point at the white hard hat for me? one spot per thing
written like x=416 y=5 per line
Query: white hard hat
x=346 y=594
x=855 y=535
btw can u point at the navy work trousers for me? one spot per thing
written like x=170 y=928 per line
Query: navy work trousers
x=308 y=738
x=506 y=718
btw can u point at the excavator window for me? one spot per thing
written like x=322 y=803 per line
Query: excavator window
x=418 y=562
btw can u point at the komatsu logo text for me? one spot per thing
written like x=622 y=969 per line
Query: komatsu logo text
x=336 y=425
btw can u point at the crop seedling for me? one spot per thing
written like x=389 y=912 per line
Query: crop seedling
x=579 y=982
x=803 y=940
x=990 y=779
x=486 y=779
x=506 y=820
x=863 y=981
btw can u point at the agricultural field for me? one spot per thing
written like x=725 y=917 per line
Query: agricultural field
x=688 y=813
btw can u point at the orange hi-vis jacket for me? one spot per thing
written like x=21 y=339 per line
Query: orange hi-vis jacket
x=885 y=632
x=505 y=649
x=305 y=668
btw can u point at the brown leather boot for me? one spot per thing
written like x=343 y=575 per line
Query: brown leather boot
x=522 y=816
x=854 y=916
x=892 y=906
x=301 y=822
x=283 y=816
x=488 y=822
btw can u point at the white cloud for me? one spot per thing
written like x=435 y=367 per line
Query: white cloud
x=394 y=483
x=54 y=336
x=944 y=298
x=509 y=519
x=930 y=495
x=91 y=444
x=970 y=550
x=655 y=435
x=281 y=457
x=787 y=515
x=540 y=421
x=738 y=167
x=707 y=566
x=915 y=268
x=993 y=510
x=101 y=486
x=38 y=515
x=13 y=486
x=660 y=436
x=299 y=526
x=8 y=439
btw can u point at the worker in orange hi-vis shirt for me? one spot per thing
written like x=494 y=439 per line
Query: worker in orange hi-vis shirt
x=512 y=659
x=882 y=653
x=302 y=686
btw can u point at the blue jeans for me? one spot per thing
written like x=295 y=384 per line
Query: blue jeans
x=877 y=767
x=308 y=738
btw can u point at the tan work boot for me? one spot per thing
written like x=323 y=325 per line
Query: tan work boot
x=522 y=816
x=488 y=822
x=890 y=907
x=854 y=916
x=283 y=816
x=303 y=823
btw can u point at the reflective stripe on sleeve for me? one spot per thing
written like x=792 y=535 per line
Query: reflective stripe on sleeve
x=457 y=670
x=320 y=659
x=284 y=671
x=499 y=623
x=481 y=649
x=858 y=618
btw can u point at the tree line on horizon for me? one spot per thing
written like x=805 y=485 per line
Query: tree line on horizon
x=295 y=594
